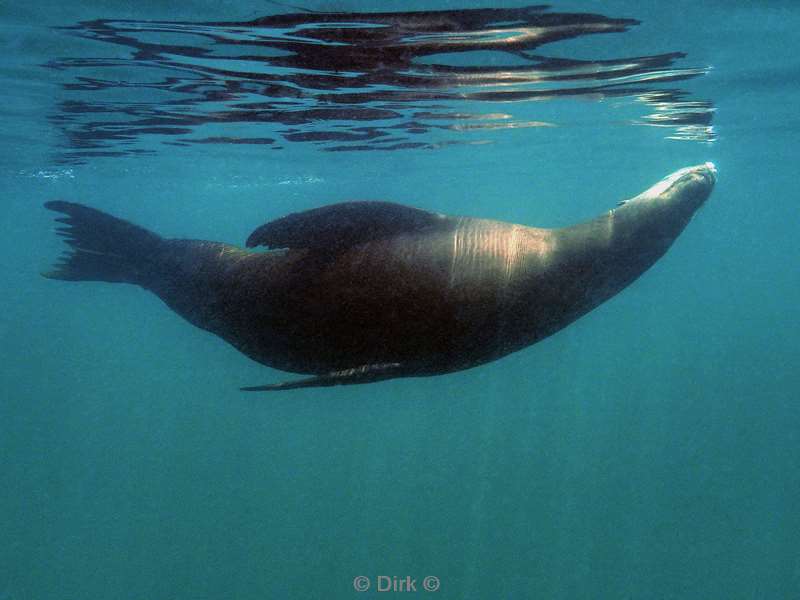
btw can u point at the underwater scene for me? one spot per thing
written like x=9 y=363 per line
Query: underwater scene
x=435 y=298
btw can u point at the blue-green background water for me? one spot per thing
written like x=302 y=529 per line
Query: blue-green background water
x=650 y=450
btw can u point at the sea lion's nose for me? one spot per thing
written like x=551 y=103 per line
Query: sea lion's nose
x=709 y=169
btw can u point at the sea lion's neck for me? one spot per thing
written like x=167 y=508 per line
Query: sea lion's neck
x=563 y=274
x=599 y=258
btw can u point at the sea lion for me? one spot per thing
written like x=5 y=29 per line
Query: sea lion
x=364 y=291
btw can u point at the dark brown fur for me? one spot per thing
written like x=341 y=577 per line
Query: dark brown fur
x=369 y=291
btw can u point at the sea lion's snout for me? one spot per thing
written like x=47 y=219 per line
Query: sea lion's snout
x=693 y=186
x=705 y=175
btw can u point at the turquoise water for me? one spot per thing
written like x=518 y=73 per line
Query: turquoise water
x=650 y=450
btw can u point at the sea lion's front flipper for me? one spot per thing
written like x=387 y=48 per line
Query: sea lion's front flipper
x=343 y=225
x=363 y=374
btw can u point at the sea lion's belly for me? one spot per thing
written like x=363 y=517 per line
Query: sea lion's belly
x=434 y=302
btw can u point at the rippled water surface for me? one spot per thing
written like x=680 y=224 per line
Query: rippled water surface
x=355 y=81
x=647 y=451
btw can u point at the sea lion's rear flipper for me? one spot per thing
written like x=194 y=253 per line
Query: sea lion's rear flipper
x=363 y=374
x=103 y=248
x=343 y=225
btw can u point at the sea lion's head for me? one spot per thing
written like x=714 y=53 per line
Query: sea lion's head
x=682 y=192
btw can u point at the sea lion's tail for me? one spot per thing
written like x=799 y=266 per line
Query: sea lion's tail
x=103 y=248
